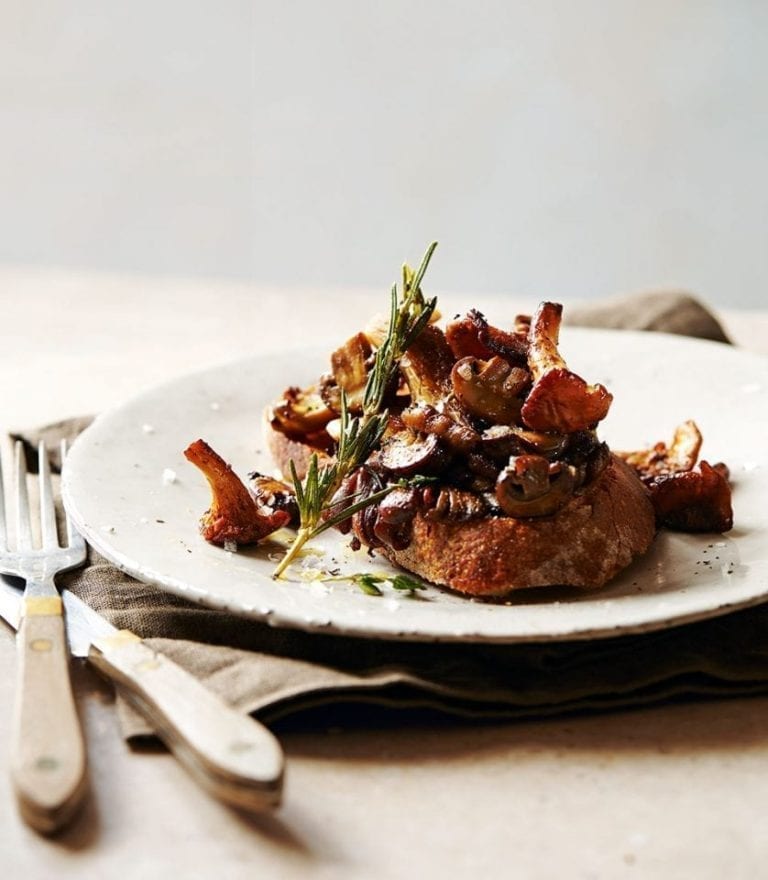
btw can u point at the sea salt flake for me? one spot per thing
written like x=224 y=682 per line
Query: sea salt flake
x=230 y=546
x=169 y=476
x=215 y=406
x=318 y=587
x=148 y=429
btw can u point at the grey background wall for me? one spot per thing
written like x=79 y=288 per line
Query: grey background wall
x=571 y=149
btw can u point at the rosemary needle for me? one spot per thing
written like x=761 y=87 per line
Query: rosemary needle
x=359 y=436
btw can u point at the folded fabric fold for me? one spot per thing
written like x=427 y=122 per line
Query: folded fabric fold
x=275 y=672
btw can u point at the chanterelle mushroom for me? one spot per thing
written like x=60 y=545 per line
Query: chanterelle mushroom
x=234 y=515
x=559 y=400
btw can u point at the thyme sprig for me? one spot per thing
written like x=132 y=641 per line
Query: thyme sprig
x=359 y=436
x=370 y=582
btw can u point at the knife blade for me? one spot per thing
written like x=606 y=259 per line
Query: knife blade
x=230 y=754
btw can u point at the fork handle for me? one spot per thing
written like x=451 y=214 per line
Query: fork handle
x=48 y=764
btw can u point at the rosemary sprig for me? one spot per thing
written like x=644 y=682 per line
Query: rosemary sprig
x=358 y=437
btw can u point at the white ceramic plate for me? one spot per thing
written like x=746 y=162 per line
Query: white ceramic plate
x=119 y=489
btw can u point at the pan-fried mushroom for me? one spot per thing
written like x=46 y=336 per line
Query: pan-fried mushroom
x=684 y=498
x=427 y=420
x=349 y=373
x=473 y=336
x=660 y=459
x=693 y=500
x=408 y=453
x=531 y=486
x=489 y=389
x=499 y=442
x=559 y=400
x=234 y=515
x=395 y=515
x=550 y=445
x=274 y=494
x=301 y=413
x=457 y=505
x=427 y=368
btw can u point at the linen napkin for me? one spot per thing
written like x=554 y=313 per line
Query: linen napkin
x=277 y=673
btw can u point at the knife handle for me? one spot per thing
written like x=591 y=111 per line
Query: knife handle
x=48 y=763
x=230 y=754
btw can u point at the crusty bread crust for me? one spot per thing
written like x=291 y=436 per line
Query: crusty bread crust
x=585 y=544
x=598 y=533
x=283 y=451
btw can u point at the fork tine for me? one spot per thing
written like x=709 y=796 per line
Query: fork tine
x=23 y=524
x=3 y=526
x=75 y=540
x=48 y=533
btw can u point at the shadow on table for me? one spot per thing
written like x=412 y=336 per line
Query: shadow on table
x=680 y=726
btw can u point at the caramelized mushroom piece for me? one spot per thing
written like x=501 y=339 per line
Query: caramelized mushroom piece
x=427 y=420
x=234 y=515
x=301 y=413
x=530 y=486
x=407 y=453
x=522 y=325
x=559 y=400
x=457 y=505
x=499 y=442
x=489 y=389
x=427 y=367
x=395 y=515
x=660 y=459
x=363 y=522
x=473 y=336
x=274 y=494
x=349 y=369
x=693 y=500
x=541 y=442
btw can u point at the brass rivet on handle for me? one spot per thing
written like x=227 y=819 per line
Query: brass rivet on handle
x=41 y=645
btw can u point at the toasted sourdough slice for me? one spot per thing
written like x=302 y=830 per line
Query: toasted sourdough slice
x=606 y=525
x=598 y=533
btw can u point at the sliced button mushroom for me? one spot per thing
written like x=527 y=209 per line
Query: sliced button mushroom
x=301 y=412
x=274 y=494
x=457 y=505
x=531 y=487
x=408 y=453
x=543 y=443
x=499 y=442
x=394 y=517
x=489 y=389
x=427 y=420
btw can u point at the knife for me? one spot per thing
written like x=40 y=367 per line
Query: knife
x=234 y=757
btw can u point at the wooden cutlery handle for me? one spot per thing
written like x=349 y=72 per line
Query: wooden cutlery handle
x=48 y=764
x=233 y=756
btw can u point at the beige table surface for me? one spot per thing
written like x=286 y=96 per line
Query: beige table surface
x=677 y=791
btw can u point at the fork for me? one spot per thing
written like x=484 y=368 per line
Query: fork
x=48 y=763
